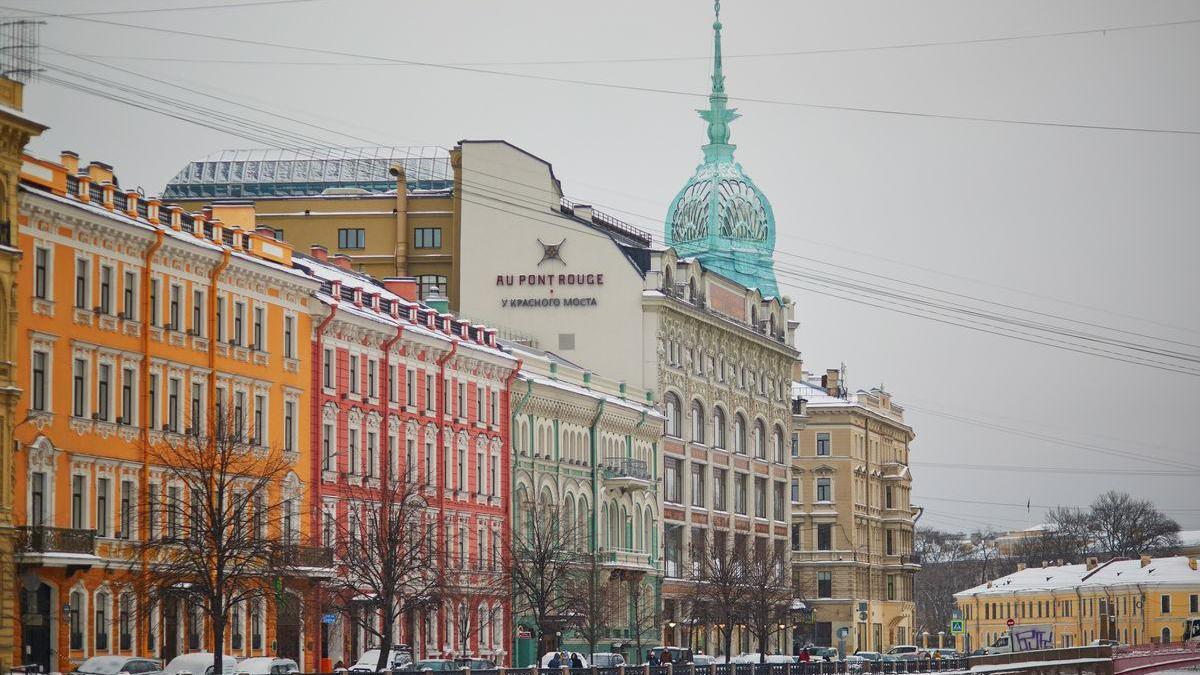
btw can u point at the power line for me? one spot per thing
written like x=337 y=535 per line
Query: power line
x=618 y=86
x=1036 y=506
x=161 y=10
x=1070 y=471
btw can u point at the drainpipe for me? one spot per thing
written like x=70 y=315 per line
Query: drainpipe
x=441 y=447
x=214 y=278
x=1079 y=614
x=386 y=377
x=315 y=432
x=144 y=406
x=593 y=432
x=506 y=507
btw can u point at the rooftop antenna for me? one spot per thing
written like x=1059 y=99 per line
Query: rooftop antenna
x=19 y=42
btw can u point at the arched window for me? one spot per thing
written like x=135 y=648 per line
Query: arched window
x=777 y=444
x=102 y=621
x=691 y=290
x=614 y=531
x=1166 y=636
x=570 y=525
x=760 y=440
x=582 y=523
x=672 y=405
x=718 y=427
x=697 y=421
x=648 y=528
x=76 y=619
x=603 y=526
x=637 y=527
x=739 y=434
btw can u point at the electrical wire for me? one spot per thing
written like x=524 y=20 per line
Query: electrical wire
x=1064 y=470
x=618 y=86
x=161 y=10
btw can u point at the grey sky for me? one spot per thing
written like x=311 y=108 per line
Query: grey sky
x=1100 y=218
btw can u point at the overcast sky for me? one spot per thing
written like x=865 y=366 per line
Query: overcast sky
x=1089 y=224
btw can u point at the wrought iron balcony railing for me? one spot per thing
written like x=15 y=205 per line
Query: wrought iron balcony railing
x=626 y=467
x=42 y=539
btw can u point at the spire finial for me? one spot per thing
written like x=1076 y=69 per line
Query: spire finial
x=718 y=114
x=718 y=76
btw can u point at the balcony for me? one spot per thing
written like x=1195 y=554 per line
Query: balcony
x=57 y=546
x=626 y=559
x=625 y=473
x=310 y=561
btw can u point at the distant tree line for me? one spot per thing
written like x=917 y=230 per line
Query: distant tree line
x=1115 y=525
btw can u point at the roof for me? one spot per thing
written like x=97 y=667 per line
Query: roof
x=273 y=172
x=1174 y=570
x=1189 y=538
x=817 y=397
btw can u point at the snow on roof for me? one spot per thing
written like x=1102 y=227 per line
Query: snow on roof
x=1189 y=538
x=1174 y=570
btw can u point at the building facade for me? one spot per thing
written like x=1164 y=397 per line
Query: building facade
x=1135 y=602
x=403 y=392
x=588 y=448
x=852 y=519
x=15 y=132
x=143 y=325
x=389 y=211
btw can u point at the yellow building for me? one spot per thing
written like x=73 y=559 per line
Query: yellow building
x=15 y=132
x=1132 y=601
x=852 y=519
x=346 y=200
x=137 y=325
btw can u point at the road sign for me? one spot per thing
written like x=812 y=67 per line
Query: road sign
x=329 y=618
x=957 y=627
x=523 y=633
x=1010 y=623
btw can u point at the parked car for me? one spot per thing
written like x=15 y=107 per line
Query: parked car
x=1108 y=643
x=267 y=665
x=944 y=652
x=475 y=664
x=901 y=650
x=200 y=663
x=868 y=656
x=827 y=654
x=982 y=651
x=704 y=660
x=607 y=660
x=111 y=665
x=678 y=655
x=435 y=665
x=398 y=658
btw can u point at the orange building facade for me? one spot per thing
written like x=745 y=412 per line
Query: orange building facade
x=136 y=321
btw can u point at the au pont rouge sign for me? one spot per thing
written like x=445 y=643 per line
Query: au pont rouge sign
x=549 y=282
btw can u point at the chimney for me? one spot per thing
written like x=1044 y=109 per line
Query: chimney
x=1045 y=564
x=319 y=252
x=85 y=187
x=405 y=287
x=131 y=203
x=101 y=172
x=1020 y=567
x=583 y=211
x=831 y=382
x=341 y=260
x=1092 y=563
x=437 y=300
x=798 y=370
x=1059 y=563
x=70 y=161
x=1145 y=560
x=1192 y=563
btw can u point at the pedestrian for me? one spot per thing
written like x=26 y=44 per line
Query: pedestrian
x=653 y=659
x=804 y=657
x=556 y=661
x=576 y=660
x=340 y=665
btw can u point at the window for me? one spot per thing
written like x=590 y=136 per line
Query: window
x=430 y=401
x=824 y=584
x=796 y=530
x=351 y=237
x=393 y=384
x=739 y=493
x=173 y=508
x=102 y=507
x=697 y=484
x=196 y=417
x=887 y=497
x=1165 y=604
x=1194 y=604
x=410 y=386
x=197 y=312
x=697 y=422
x=822 y=445
x=327 y=369
x=154 y=286
x=739 y=434
x=427 y=282
x=352 y=373
x=41 y=273
x=891 y=587
x=718 y=428
x=824 y=537
x=427 y=237
x=778 y=505
x=372 y=454
x=235 y=623
x=125 y=623
x=239 y=323
x=460 y=407
x=327 y=448
x=77 y=496
x=672 y=406
x=824 y=490
x=777 y=445
x=889 y=542
x=795 y=490
x=760 y=497
x=82 y=281
x=173 y=404
x=289 y=426
x=352 y=451
x=79 y=388
x=129 y=296
x=37 y=499
x=106 y=288
x=153 y=412
x=220 y=319
x=174 y=302
x=795 y=445
x=256 y=340
x=672 y=480
x=289 y=337
x=126 y=516
x=101 y=621
x=76 y=619
x=719 y=489
x=760 y=440
x=37 y=384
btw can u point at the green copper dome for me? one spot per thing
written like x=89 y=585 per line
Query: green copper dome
x=720 y=216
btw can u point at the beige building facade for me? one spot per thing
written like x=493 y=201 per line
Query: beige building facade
x=852 y=515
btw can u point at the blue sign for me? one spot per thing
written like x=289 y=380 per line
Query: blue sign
x=329 y=618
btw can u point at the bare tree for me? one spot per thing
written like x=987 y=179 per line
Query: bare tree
x=222 y=526
x=593 y=600
x=387 y=558
x=471 y=589
x=1116 y=524
x=720 y=591
x=768 y=596
x=543 y=557
x=644 y=616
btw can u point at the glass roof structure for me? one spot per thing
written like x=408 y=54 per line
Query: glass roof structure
x=236 y=174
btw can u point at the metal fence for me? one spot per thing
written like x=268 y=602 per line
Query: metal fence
x=864 y=667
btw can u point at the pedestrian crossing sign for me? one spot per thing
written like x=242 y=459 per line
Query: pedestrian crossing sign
x=957 y=627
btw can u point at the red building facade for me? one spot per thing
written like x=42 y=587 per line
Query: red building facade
x=400 y=389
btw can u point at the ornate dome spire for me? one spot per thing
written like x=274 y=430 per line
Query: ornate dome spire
x=720 y=216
